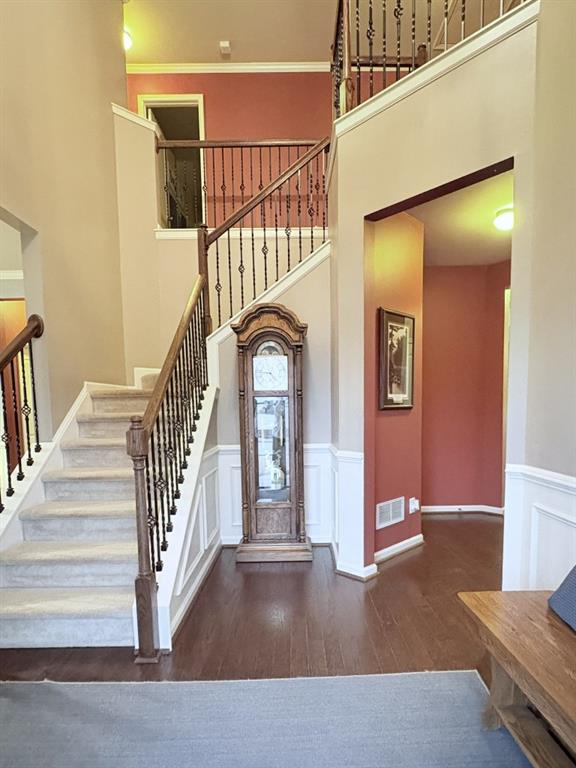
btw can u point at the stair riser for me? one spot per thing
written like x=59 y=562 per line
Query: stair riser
x=70 y=632
x=135 y=405
x=68 y=574
x=80 y=529
x=89 y=490
x=96 y=457
x=103 y=428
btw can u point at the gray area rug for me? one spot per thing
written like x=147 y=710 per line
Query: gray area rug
x=421 y=720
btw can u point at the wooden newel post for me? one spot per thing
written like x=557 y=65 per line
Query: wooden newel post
x=203 y=270
x=146 y=586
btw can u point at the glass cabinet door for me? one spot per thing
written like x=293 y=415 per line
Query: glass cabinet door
x=271 y=430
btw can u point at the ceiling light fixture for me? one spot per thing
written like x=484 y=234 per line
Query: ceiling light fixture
x=504 y=219
x=127 y=40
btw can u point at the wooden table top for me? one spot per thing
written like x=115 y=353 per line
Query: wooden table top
x=522 y=625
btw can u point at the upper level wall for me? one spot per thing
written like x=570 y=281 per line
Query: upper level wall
x=275 y=105
x=551 y=415
x=438 y=125
x=62 y=64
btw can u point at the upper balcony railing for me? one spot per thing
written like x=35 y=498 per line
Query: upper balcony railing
x=206 y=181
x=377 y=42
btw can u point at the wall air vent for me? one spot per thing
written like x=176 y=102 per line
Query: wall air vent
x=390 y=512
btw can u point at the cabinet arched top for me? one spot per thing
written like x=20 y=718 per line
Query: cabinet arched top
x=263 y=319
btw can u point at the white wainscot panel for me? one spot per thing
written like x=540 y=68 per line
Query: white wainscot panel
x=539 y=528
x=553 y=550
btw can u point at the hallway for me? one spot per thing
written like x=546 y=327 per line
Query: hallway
x=294 y=620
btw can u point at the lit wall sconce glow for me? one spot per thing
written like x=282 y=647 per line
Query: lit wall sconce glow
x=127 y=40
x=504 y=219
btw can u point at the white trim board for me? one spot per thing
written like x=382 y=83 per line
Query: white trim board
x=11 y=274
x=127 y=114
x=464 y=51
x=466 y=508
x=225 y=67
x=397 y=549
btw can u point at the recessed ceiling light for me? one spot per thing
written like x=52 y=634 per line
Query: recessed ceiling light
x=504 y=219
x=127 y=40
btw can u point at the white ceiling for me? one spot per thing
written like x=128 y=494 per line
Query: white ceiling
x=181 y=31
x=459 y=229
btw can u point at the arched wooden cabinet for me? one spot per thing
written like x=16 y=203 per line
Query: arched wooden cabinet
x=270 y=339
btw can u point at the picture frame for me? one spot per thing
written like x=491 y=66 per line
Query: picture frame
x=396 y=364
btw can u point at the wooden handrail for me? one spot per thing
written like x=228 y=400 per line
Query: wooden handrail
x=232 y=143
x=33 y=329
x=267 y=191
x=155 y=402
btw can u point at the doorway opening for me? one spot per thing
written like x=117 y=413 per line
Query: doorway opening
x=439 y=260
x=179 y=117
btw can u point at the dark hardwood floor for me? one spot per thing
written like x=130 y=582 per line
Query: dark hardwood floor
x=298 y=619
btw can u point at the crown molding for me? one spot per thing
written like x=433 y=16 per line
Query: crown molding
x=228 y=67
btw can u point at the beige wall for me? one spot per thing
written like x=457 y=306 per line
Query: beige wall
x=551 y=415
x=137 y=208
x=61 y=64
x=310 y=300
x=457 y=124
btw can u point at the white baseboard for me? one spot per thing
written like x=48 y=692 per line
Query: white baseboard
x=462 y=508
x=397 y=549
x=352 y=571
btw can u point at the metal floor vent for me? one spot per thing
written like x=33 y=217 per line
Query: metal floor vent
x=390 y=512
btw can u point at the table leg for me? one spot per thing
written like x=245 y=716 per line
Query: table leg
x=503 y=693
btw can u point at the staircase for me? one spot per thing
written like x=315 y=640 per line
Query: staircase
x=71 y=581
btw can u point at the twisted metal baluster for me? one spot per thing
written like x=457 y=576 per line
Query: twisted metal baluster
x=150 y=515
x=317 y=190
x=429 y=30
x=358 y=67
x=413 y=35
x=162 y=485
x=310 y=194
x=462 y=19
x=185 y=194
x=223 y=188
x=195 y=197
x=25 y=409
x=324 y=200
x=6 y=436
x=241 y=268
x=445 y=25
x=370 y=35
x=204 y=218
x=299 y=203
x=20 y=475
x=398 y=11
x=384 y=52
x=37 y=447
x=155 y=528
x=252 y=230
x=288 y=207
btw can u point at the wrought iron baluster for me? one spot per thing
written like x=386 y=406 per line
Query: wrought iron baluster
x=20 y=474
x=317 y=198
x=241 y=268
x=398 y=11
x=252 y=229
x=167 y=482
x=181 y=425
x=429 y=29
x=384 y=52
x=186 y=393
x=185 y=194
x=203 y=346
x=25 y=409
x=149 y=507
x=6 y=435
x=270 y=173
x=462 y=19
x=214 y=201
x=310 y=193
x=288 y=206
x=370 y=35
x=445 y=25
x=192 y=376
x=264 y=248
x=196 y=200
x=154 y=524
x=162 y=485
x=481 y=14
x=324 y=201
x=413 y=34
x=276 y=233
x=38 y=446
x=204 y=219
x=358 y=67
x=299 y=209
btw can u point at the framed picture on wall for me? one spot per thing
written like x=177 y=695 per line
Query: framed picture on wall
x=396 y=369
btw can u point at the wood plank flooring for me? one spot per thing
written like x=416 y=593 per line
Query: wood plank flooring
x=299 y=619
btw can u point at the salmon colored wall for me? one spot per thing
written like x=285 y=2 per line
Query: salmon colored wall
x=286 y=105
x=393 y=272
x=462 y=461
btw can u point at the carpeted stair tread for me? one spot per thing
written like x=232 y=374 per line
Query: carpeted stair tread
x=58 y=509
x=79 y=474
x=68 y=551
x=114 y=417
x=54 y=602
x=93 y=442
x=121 y=392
